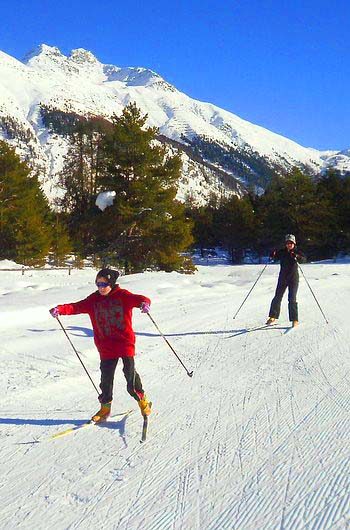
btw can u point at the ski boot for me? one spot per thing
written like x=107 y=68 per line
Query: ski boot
x=295 y=323
x=270 y=320
x=103 y=413
x=145 y=406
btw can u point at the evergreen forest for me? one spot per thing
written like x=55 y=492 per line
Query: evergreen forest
x=145 y=227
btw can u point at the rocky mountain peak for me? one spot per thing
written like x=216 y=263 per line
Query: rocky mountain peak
x=132 y=76
x=43 y=50
x=82 y=56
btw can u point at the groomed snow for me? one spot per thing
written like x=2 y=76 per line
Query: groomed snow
x=257 y=439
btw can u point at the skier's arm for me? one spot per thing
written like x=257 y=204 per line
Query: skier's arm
x=74 y=308
x=301 y=258
x=275 y=255
x=137 y=300
x=298 y=256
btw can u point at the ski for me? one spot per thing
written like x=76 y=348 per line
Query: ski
x=75 y=428
x=289 y=329
x=277 y=326
x=87 y=424
x=145 y=427
x=262 y=326
x=71 y=430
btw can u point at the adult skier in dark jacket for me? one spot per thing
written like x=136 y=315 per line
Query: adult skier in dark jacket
x=110 y=311
x=288 y=277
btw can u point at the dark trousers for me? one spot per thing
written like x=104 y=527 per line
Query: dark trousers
x=133 y=381
x=283 y=283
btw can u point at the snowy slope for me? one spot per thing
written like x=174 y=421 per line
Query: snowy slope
x=257 y=439
x=81 y=84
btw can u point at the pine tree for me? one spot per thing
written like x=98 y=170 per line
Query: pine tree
x=146 y=226
x=203 y=224
x=79 y=181
x=61 y=244
x=235 y=226
x=24 y=213
x=291 y=204
x=345 y=216
x=331 y=187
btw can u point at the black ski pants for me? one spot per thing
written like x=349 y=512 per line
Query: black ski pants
x=283 y=282
x=133 y=381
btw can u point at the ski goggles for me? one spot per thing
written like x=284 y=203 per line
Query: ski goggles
x=102 y=284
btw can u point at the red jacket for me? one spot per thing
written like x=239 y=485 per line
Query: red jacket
x=111 y=319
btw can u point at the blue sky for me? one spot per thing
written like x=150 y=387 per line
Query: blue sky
x=283 y=65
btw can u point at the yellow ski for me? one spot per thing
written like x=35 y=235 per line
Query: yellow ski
x=87 y=424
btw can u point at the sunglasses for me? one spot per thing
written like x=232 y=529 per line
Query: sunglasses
x=102 y=284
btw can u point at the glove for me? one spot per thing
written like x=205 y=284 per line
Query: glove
x=293 y=255
x=145 y=308
x=54 y=312
x=273 y=254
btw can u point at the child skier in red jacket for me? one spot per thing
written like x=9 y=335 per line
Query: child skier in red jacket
x=110 y=311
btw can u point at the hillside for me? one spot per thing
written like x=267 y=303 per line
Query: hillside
x=221 y=152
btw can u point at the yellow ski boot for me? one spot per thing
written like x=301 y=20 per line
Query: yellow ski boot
x=103 y=413
x=270 y=321
x=145 y=406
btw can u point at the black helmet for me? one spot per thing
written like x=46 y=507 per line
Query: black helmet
x=110 y=275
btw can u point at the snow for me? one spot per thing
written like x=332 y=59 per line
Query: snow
x=105 y=199
x=257 y=439
x=80 y=83
x=8 y=264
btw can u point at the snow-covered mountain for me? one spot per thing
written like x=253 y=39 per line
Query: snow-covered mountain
x=222 y=150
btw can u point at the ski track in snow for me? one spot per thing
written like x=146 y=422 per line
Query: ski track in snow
x=257 y=439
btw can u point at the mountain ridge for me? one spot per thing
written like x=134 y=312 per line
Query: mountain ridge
x=79 y=83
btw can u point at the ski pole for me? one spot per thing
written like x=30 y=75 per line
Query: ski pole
x=309 y=286
x=77 y=354
x=190 y=374
x=256 y=281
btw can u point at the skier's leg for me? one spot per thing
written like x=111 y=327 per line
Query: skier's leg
x=292 y=300
x=107 y=368
x=133 y=380
x=275 y=308
x=134 y=385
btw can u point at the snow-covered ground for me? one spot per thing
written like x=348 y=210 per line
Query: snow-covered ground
x=257 y=439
